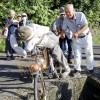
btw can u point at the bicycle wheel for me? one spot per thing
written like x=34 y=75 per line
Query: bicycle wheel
x=39 y=87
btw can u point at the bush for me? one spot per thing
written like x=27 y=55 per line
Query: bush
x=2 y=45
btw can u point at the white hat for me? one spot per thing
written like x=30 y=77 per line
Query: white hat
x=24 y=33
x=12 y=12
x=24 y=14
x=19 y=15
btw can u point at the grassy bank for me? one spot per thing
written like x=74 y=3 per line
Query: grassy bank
x=95 y=34
x=2 y=43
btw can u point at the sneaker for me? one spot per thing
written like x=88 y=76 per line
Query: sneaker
x=12 y=57
x=8 y=58
x=76 y=73
x=24 y=56
x=91 y=72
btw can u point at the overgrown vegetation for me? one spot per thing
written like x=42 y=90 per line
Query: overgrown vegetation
x=45 y=11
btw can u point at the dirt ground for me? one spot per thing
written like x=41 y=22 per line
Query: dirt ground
x=14 y=87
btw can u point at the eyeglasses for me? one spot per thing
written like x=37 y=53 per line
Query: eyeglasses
x=18 y=16
x=24 y=16
x=62 y=14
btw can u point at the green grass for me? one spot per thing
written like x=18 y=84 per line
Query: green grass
x=96 y=35
x=96 y=40
x=2 y=44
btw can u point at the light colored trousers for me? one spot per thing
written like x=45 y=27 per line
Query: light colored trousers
x=85 y=43
x=59 y=56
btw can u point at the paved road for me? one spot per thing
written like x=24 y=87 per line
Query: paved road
x=12 y=83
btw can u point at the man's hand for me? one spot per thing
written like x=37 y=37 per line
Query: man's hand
x=75 y=35
x=61 y=35
x=11 y=22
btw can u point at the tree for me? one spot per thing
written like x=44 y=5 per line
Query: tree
x=44 y=11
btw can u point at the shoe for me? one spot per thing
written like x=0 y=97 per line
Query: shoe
x=70 y=61
x=91 y=72
x=76 y=73
x=66 y=73
x=8 y=58
x=24 y=56
x=12 y=57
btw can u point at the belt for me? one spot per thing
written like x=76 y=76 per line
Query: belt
x=83 y=35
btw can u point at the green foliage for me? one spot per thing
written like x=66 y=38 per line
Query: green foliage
x=96 y=35
x=2 y=44
x=38 y=10
x=44 y=11
x=91 y=8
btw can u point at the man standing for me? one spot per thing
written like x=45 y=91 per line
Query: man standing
x=11 y=24
x=77 y=23
x=53 y=26
x=63 y=40
x=24 y=20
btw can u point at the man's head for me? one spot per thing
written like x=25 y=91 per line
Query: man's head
x=19 y=17
x=62 y=12
x=11 y=14
x=24 y=16
x=70 y=11
x=24 y=33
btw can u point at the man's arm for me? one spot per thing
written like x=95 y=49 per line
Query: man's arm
x=64 y=26
x=15 y=46
x=84 y=22
x=75 y=35
x=7 y=23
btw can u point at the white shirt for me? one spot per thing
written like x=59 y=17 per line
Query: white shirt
x=75 y=24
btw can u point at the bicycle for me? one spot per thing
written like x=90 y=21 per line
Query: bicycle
x=36 y=70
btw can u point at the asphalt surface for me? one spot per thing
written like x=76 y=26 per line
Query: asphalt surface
x=12 y=82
